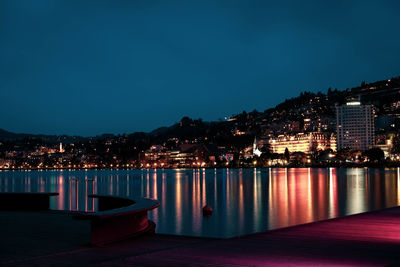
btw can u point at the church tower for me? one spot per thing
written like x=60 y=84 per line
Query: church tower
x=256 y=151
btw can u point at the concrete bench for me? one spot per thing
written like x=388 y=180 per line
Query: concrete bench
x=119 y=218
x=25 y=201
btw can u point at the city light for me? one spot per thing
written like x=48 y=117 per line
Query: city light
x=353 y=103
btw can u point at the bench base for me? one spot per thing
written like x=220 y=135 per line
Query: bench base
x=117 y=228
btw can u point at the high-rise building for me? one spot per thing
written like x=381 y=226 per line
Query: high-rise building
x=355 y=126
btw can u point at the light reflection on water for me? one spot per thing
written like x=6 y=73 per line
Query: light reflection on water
x=244 y=201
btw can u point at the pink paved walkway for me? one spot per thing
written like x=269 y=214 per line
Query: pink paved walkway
x=371 y=239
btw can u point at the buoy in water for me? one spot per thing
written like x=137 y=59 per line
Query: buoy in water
x=207 y=210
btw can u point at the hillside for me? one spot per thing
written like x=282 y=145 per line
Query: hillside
x=306 y=112
x=6 y=136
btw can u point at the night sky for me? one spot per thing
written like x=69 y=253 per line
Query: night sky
x=92 y=67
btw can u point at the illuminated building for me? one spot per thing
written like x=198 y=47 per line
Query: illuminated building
x=157 y=154
x=385 y=142
x=256 y=151
x=307 y=123
x=303 y=142
x=355 y=126
x=187 y=155
x=61 y=149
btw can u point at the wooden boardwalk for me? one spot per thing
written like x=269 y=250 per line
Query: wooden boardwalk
x=370 y=239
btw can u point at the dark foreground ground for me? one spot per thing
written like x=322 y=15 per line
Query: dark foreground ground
x=39 y=239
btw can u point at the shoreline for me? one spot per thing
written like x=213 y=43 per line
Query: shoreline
x=371 y=243
x=316 y=166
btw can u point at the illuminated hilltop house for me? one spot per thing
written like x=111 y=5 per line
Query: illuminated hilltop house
x=355 y=126
x=303 y=142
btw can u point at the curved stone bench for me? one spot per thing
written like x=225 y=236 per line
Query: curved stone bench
x=119 y=218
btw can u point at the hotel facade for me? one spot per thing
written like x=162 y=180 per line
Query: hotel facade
x=303 y=142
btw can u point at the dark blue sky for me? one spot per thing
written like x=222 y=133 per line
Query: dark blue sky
x=90 y=67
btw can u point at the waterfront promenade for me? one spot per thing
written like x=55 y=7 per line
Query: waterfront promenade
x=370 y=239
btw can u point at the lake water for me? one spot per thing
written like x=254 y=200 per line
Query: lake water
x=244 y=201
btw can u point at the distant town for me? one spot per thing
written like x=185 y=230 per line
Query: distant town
x=354 y=127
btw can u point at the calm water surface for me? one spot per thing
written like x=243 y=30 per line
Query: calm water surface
x=244 y=201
